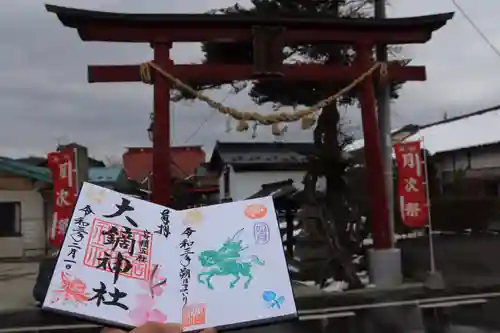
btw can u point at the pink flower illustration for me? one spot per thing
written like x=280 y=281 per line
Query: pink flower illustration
x=153 y=287
x=144 y=311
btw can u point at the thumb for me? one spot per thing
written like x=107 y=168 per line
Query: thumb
x=158 y=328
x=209 y=330
x=112 y=330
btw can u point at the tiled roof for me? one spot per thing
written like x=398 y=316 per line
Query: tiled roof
x=138 y=162
x=24 y=169
x=275 y=189
x=256 y=158
x=238 y=147
x=104 y=175
x=42 y=161
x=263 y=152
x=33 y=160
x=96 y=175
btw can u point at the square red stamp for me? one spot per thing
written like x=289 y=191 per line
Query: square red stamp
x=116 y=248
x=194 y=314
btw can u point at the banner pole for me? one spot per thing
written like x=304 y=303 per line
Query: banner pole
x=428 y=199
x=75 y=170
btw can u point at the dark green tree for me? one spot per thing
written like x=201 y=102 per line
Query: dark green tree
x=331 y=218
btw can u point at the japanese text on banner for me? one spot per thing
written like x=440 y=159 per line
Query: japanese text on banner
x=412 y=196
x=62 y=167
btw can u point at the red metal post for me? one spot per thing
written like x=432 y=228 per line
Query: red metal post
x=381 y=231
x=161 y=184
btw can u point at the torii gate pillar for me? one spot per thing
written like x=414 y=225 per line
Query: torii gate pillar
x=162 y=164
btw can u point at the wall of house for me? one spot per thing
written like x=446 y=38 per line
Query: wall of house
x=481 y=165
x=485 y=158
x=244 y=184
x=476 y=158
x=31 y=241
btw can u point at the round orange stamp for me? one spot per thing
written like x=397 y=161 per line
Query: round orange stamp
x=193 y=218
x=255 y=211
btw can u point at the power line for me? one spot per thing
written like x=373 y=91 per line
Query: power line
x=198 y=129
x=478 y=30
x=205 y=121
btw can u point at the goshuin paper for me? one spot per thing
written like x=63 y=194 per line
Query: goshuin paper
x=118 y=261
x=239 y=273
x=125 y=262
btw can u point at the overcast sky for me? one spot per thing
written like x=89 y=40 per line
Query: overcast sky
x=45 y=97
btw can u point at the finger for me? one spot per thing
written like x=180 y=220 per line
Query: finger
x=158 y=328
x=112 y=330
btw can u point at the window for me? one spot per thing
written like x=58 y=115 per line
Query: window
x=10 y=219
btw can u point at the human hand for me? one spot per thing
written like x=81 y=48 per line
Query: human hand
x=155 y=328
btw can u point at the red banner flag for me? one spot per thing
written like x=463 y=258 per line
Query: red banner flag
x=63 y=168
x=412 y=185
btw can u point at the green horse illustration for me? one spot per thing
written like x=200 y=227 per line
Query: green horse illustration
x=227 y=261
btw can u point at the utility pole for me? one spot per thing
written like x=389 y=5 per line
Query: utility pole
x=384 y=121
x=385 y=265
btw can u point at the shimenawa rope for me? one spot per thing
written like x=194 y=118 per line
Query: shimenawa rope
x=304 y=115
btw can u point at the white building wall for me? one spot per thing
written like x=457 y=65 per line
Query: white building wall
x=32 y=241
x=244 y=184
x=476 y=159
x=485 y=159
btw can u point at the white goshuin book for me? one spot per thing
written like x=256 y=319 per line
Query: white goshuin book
x=125 y=262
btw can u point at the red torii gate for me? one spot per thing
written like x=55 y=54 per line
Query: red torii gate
x=161 y=30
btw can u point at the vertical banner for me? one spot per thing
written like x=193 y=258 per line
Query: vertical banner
x=63 y=168
x=412 y=186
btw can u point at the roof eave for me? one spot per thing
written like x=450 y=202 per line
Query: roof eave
x=462 y=149
x=76 y=18
x=24 y=170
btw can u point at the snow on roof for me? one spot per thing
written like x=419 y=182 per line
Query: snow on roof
x=360 y=143
x=476 y=129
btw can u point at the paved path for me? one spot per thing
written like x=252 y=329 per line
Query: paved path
x=16 y=285
x=17 y=281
